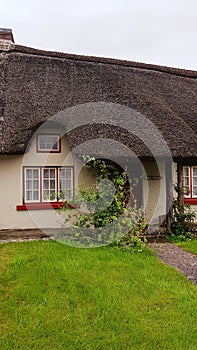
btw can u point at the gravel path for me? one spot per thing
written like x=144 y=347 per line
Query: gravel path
x=174 y=256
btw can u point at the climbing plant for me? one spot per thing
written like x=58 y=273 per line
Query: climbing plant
x=106 y=214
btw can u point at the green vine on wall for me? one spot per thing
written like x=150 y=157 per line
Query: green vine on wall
x=108 y=204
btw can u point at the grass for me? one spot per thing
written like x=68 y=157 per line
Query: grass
x=190 y=246
x=59 y=297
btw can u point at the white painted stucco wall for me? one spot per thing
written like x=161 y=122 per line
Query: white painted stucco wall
x=154 y=190
x=11 y=187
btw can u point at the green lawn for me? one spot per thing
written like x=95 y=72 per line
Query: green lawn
x=190 y=246
x=59 y=297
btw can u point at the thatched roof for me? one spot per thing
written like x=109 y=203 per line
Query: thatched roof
x=36 y=85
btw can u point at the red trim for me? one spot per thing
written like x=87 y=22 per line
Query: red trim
x=190 y=200
x=43 y=206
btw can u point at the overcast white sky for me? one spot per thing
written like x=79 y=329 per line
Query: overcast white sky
x=153 y=31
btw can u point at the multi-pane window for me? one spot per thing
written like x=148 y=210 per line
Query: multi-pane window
x=194 y=181
x=32 y=184
x=190 y=181
x=65 y=183
x=49 y=184
x=186 y=181
x=48 y=143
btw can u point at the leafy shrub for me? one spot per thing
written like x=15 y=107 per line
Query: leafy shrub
x=181 y=226
x=132 y=243
x=107 y=219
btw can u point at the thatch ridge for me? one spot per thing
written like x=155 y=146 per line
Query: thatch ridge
x=37 y=84
x=106 y=60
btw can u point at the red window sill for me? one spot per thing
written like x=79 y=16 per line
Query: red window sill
x=42 y=206
x=190 y=200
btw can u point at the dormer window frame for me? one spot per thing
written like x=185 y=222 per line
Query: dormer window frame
x=48 y=143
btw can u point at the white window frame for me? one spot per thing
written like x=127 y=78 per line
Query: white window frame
x=25 y=185
x=71 y=179
x=191 y=182
x=49 y=188
x=48 y=149
x=40 y=169
x=192 y=178
x=189 y=177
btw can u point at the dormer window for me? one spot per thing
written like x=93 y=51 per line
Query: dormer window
x=48 y=143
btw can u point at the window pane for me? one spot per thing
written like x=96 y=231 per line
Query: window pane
x=68 y=184
x=52 y=173
x=67 y=194
x=62 y=173
x=49 y=184
x=45 y=184
x=45 y=194
x=36 y=184
x=186 y=190
x=28 y=195
x=194 y=181
x=29 y=184
x=186 y=181
x=52 y=184
x=52 y=195
x=32 y=185
x=186 y=171
x=35 y=195
x=65 y=183
x=46 y=173
x=54 y=143
x=48 y=142
x=68 y=173
x=194 y=191
x=194 y=171
x=35 y=173
x=28 y=173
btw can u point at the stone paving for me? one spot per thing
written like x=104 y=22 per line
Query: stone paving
x=182 y=260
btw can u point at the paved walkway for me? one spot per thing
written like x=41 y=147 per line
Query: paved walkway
x=174 y=256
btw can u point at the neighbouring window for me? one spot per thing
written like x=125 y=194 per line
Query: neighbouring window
x=65 y=183
x=48 y=143
x=190 y=181
x=47 y=184
x=32 y=185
